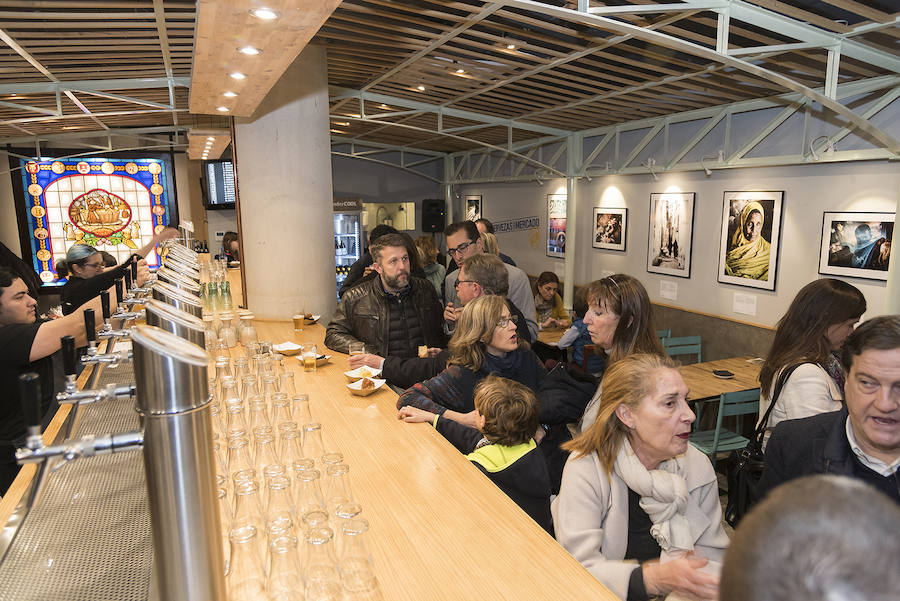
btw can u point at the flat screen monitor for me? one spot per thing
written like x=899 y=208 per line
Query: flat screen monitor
x=219 y=188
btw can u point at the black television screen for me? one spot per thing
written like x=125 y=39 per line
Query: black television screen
x=219 y=184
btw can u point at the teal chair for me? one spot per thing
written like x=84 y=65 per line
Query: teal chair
x=664 y=333
x=744 y=402
x=684 y=345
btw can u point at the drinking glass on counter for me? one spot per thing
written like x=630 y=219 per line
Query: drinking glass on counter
x=357 y=348
x=298 y=320
x=308 y=354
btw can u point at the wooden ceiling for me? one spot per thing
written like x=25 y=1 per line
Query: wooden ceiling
x=492 y=72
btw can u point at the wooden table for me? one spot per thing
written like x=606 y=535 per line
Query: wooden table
x=704 y=385
x=551 y=336
x=439 y=529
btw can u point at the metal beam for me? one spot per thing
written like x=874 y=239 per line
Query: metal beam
x=765 y=19
x=128 y=99
x=84 y=85
x=340 y=93
x=633 y=9
x=25 y=107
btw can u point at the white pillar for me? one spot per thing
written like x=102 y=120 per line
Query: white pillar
x=284 y=181
x=893 y=282
x=573 y=154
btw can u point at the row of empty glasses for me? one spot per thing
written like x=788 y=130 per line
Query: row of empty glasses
x=291 y=526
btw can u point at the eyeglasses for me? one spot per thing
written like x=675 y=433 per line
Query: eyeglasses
x=458 y=282
x=93 y=265
x=460 y=249
x=504 y=321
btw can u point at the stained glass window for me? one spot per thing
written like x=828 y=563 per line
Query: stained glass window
x=114 y=205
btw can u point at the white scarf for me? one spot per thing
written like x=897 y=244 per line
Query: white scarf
x=664 y=497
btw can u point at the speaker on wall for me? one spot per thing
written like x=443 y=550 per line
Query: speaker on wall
x=433 y=215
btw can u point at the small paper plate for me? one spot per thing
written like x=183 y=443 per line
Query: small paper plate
x=360 y=372
x=314 y=319
x=355 y=387
x=322 y=360
x=287 y=348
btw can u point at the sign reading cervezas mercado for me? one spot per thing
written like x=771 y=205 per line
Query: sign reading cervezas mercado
x=514 y=225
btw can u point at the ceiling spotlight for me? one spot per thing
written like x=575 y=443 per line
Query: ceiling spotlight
x=223 y=109
x=266 y=14
x=510 y=46
x=383 y=106
x=420 y=87
x=460 y=71
x=211 y=139
x=249 y=50
x=238 y=75
x=229 y=94
x=342 y=123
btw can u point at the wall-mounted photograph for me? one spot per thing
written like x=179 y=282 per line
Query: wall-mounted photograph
x=609 y=228
x=856 y=244
x=556 y=225
x=748 y=250
x=473 y=207
x=671 y=233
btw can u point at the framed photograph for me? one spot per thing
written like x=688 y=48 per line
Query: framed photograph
x=556 y=225
x=671 y=233
x=609 y=228
x=473 y=207
x=751 y=228
x=856 y=244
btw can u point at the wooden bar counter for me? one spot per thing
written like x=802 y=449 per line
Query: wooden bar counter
x=439 y=529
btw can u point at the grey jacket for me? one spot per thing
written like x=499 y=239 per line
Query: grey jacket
x=362 y=316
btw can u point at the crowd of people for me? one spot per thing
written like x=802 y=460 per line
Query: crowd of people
x=597 y=451
x=629 y=497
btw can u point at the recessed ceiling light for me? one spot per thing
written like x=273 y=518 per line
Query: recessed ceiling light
x=249 y=50
x=460 y=71
x=266 y=14
x=510 y=46
x=237 y=75
x=223 y=109
x=229 y=94
x=420 y=87
x=211 y=139
x=383 y=106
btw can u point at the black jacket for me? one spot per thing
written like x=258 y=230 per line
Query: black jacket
x=404 y=373
x=363 y=315
x=817 y=445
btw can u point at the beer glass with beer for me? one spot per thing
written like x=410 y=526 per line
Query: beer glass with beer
x=308 y=354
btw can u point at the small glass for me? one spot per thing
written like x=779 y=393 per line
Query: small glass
x=357 y=572
x=357 y=348
x=308 y=354
x=298 y=320
x=301 y=411
x=322 y=580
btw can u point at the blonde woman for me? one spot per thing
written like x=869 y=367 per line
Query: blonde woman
x=434 y=271
x=485 y=342
x=638 y=505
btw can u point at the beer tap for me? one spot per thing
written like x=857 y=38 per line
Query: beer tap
x=35 y=451
x=107 y=331
x=122 y=301
x=71 y=395
x=111 y=359
x=135 y=289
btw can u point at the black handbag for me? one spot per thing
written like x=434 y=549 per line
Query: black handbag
x=744 y=468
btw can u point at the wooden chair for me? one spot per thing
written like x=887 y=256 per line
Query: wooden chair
x=664 y=334
x=740 y=403
x=683 y=345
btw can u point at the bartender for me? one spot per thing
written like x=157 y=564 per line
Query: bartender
x=87 y=277
x=27 y=344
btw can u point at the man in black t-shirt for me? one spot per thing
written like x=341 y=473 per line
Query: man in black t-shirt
x=27 y=344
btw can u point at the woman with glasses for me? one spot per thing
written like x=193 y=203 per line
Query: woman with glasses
x=87 y=277
x=485 y=342
x=620 y=321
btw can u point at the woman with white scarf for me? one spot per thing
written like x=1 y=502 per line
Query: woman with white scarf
x=639 y=506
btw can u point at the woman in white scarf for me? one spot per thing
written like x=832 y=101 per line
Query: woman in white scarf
x=638 y=505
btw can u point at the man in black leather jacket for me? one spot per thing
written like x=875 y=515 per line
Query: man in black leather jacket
x=394 y=313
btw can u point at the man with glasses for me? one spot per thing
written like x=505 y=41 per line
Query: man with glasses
x=464 y=241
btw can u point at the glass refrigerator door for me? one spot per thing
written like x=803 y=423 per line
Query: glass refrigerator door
x=347 y=237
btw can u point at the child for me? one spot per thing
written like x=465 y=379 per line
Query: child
x=577 y=336
x=503 y=448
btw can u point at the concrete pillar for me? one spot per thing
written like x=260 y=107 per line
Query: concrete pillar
x=283 y=156
x=893 y=282
x=573 y=160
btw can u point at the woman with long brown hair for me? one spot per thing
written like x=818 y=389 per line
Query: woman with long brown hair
x=620 y=321
x=485 y=342
x=815 y=326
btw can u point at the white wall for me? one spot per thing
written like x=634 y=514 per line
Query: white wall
x=809 y=191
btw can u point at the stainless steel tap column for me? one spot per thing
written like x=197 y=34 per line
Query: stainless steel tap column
x=170 y=376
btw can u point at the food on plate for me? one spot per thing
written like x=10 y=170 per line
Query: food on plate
x=365 y=373
x=367 y=384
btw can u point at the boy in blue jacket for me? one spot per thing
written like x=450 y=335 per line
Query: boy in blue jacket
x=503 y=448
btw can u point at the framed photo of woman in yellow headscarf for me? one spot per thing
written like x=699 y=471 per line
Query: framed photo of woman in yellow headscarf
x=751 y=224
